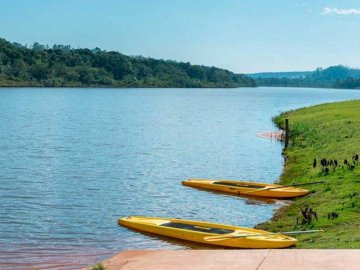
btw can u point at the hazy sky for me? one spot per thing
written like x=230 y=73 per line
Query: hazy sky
x=240 y=35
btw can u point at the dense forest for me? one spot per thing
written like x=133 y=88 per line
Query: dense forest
x=332 y=77
x=63 y=66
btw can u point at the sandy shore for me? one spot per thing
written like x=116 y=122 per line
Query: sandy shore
x=275 y=135
x=269 y=259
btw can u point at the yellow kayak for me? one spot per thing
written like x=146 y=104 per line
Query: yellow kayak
x=205 y=232
x=247 y=188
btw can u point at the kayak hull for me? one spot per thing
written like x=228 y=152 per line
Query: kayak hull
x=165 y=227
x=247 y=188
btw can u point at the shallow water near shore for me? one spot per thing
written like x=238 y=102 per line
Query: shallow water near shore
x=75 y=160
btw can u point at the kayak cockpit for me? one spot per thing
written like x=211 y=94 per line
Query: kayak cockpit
x=232 y=184
x=196 y=228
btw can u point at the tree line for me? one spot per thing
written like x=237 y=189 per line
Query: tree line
x=63 y=66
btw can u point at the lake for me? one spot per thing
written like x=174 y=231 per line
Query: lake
x=75 y=160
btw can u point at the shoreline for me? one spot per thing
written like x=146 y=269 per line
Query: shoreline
x=309 y=127
x=317 y=133
x=273 y=135
x=264 y=259
x=121 y=87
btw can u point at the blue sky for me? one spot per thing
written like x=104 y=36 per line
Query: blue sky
x=240 y=35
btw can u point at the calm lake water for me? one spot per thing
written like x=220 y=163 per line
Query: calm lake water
x=75 y=160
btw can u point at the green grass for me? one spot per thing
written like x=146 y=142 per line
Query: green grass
x=330 y=131
x=99 y=266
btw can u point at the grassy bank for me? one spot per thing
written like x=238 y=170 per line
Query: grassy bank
x=331 y=132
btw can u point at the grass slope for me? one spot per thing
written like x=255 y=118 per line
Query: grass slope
x=330 y=131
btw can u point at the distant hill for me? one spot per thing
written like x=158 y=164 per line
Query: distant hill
x=288 y=75
x=62 y=66
x=331 y=77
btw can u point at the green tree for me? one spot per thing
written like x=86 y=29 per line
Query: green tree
x=40 y=71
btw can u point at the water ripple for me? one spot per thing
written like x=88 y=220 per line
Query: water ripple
x=74 y=160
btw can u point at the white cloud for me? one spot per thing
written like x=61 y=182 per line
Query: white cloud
x=340 y=11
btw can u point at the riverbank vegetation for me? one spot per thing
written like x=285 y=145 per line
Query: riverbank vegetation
x=63 y=66
x=332 y=77
x=98 y=266
x=324 y=145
